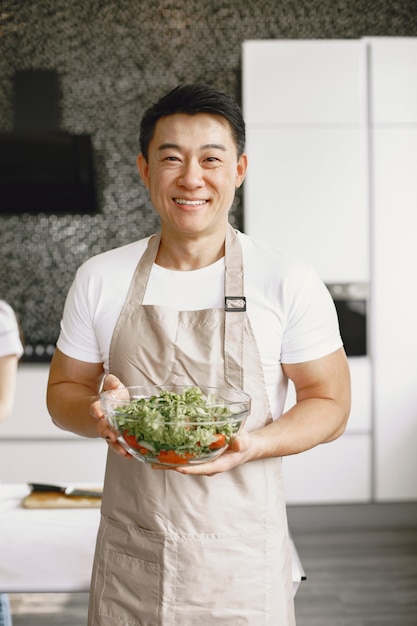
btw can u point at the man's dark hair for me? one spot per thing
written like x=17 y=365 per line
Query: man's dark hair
x=191 y=99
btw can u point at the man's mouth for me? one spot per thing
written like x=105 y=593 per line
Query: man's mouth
x=189 y=202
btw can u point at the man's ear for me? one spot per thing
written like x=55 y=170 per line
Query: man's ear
x=242 y=166
x=143 y=168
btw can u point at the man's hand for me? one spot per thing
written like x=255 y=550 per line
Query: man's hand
x=104 y=430
x=240 y=451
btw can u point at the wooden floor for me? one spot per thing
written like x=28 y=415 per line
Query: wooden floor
x=366 y=578
x=358 y=579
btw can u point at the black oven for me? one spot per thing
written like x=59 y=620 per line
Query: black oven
x=352 y=303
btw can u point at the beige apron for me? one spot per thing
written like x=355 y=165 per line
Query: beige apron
x=178 y=550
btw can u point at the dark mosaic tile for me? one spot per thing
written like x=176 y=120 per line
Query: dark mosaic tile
x=113 y=58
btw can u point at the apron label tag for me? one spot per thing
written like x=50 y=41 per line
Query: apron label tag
x=235 y=304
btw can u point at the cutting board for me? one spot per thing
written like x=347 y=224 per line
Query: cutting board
x=53 y=500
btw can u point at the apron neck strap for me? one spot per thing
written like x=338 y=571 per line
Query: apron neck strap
x=140 y=279
x=235 y=302
x=235 y=311
x=233 y=282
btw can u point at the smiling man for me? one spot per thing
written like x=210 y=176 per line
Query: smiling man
x=199 y=544
x=192 y=168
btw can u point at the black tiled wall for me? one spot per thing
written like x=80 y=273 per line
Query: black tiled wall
x=113 y=58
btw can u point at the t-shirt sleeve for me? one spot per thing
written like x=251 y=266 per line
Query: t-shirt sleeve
x=77 y=338
x=94 y=302
x=10 y=343
x=312 y=328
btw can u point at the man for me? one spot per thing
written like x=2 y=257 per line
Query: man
x=204 y=544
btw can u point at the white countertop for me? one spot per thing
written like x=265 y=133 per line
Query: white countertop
x=52 y=550
x=44 y=550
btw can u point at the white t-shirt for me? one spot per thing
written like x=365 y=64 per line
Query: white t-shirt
x=9 y=332
x=291 y=311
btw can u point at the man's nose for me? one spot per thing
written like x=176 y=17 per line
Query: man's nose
x=191 y=175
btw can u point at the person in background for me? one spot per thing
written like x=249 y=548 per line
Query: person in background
x=199 y=544
x=11 y=350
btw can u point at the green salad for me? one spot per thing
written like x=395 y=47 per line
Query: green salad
x=177 y=427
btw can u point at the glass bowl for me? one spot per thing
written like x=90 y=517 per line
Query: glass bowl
x=175 y=424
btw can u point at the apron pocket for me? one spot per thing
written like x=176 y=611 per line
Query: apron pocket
x=130 y=592
x=222 y=580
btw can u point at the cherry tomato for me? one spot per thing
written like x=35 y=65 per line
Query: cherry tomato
x=170 y=457
x=219 y=442
x=132 y=442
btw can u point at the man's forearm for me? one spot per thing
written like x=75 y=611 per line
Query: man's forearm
x=304 y=426
x=69 y=406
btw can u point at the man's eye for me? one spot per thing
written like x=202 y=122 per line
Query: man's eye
x=212 y=159
x=171 y=158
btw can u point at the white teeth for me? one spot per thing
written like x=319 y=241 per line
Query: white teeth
x=190 y=202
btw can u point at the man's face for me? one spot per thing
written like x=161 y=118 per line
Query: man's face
x=192 y=173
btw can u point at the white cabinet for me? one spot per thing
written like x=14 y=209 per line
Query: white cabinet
x=332 y=147
x=393 y=80
x=342 y=470
x=307 y=187
x=396 y=429
x=336 y=472
x=393 y=114
x=52 y=461
x=306 y=192
x=394 y=248
x=33 y=449
x=296 y=82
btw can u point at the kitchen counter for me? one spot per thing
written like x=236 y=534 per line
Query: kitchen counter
x=44 y=550
x=51 y=550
